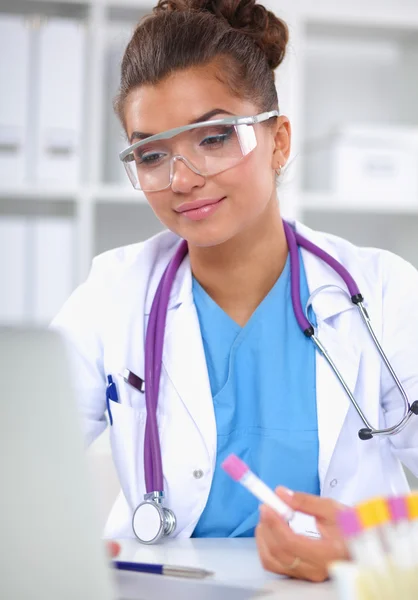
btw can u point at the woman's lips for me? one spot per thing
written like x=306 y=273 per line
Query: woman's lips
x=199 y=209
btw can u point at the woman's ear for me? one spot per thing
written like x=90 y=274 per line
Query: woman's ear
x=282 y=140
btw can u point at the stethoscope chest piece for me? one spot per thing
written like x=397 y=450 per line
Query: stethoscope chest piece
x=151 y=521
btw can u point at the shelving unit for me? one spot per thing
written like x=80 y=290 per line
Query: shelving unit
x=346 y=63
x=357 y=66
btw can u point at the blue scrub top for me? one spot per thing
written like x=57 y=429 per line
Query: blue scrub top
x=263 y=386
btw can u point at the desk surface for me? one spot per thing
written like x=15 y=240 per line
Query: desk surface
x=234 y=561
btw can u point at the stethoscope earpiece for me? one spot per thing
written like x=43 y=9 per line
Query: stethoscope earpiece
x=365 y=434
x=414 y=407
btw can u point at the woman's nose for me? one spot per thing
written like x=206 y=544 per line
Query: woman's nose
x=184 y=176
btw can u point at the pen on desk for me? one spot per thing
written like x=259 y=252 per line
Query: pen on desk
x=239 y=471
x=171 y=570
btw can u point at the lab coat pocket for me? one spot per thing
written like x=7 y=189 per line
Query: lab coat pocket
x=129 y=396
x=126 y=440
x=127 y=443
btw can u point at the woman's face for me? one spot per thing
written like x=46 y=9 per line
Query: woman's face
x=239 y=196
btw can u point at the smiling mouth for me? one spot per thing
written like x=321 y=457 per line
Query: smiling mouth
x=199 y=209
x=197 y=204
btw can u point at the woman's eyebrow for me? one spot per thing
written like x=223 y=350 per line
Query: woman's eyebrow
x=140 y=135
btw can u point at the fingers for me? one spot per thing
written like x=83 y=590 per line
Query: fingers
x=277 y=536
x=283 y=541
x=113 y=549
x=279 y=546
x=332 y=533
x=269 y=561
x=284 y=564
x=316 y=506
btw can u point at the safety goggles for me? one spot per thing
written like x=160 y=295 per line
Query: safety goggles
x=207 y=148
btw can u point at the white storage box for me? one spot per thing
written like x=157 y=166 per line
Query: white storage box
x=377 y=165
x=367 y=166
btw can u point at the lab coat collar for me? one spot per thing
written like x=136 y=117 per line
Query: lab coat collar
x=328 y=303
x=182 y=285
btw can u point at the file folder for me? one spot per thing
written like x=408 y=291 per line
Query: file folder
x=60 y=101
x=118 y=36
x=14 y=276
x=14 y=83
x=54 y=266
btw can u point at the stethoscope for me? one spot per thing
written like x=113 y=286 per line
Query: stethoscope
x=151 y=520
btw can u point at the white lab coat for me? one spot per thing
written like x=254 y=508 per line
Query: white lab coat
x=105 y=322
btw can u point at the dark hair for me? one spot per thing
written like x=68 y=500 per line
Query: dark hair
x=243 y=39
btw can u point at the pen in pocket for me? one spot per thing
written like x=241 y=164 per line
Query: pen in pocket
x=111 y=395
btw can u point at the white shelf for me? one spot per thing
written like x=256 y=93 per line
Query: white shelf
x=139 y=4
x=40 y=2
x=118 y=193
x=105 y=193
x=326 y=201
x=43 y=193
x=345 y=14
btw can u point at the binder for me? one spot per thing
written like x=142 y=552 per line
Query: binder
x=54 y=266
x=118 y=36
x=60 y=101
x=14 y=84
x=14 y=276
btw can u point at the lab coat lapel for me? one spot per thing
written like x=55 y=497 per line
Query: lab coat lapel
x=329 y=306
x=185 y=364
x=332 y=400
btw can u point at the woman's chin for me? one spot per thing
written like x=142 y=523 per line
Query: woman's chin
x=208 y=239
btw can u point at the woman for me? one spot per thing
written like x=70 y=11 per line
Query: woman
x=238 y=374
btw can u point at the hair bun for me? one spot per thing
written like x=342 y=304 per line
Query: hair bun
x=268 y=31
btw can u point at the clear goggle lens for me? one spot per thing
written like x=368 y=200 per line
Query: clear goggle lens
x=207 y=151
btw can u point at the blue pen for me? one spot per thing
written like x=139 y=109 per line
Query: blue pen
x=172 y=571
x=111 y=395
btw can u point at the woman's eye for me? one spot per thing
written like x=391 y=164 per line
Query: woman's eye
x=216 y=139
x=149 y=159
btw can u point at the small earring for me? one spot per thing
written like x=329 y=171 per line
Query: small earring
x=278 y=171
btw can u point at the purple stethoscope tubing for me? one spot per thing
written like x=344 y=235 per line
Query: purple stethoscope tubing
x=293 y=240
x=151 y=446
x=154 y=341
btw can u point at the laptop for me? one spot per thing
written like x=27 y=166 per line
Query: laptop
x=51 y=541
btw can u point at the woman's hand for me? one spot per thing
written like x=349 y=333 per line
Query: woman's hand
x=113 y=549
x=287 y=553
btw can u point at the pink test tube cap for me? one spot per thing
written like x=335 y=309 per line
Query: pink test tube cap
x=398 y=508
x=349 y=522
x=235 y=467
